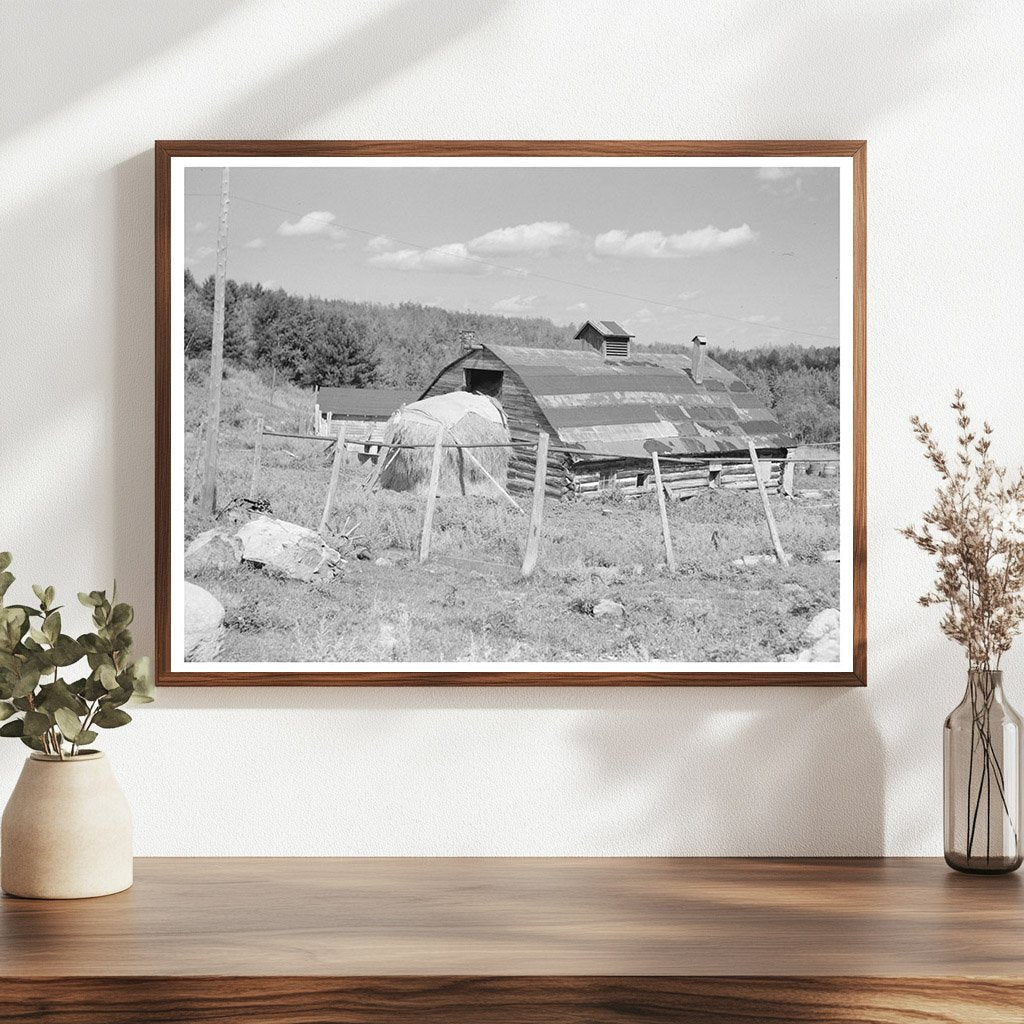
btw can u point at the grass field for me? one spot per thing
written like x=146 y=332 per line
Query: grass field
x=468 y=604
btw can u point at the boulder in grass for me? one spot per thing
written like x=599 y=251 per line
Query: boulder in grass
x=204 y=624
x=213 y=549
x=822 y=638
x=606 y=608
x=288 y=549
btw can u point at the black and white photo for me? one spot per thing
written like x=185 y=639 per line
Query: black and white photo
x=456 y=414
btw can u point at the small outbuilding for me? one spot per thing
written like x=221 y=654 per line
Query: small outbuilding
x=608 y=405
x=364 y=411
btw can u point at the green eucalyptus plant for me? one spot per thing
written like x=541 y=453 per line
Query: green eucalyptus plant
x=46 y=712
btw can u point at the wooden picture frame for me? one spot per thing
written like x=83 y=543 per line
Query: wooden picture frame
x=850 y=156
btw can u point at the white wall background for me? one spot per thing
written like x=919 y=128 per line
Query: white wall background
x=937 y=88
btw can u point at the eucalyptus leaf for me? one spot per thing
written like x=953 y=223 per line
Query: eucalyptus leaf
x=59 y=695
x=69 y=724
x=94 y=689
x=30 y=741
x=16 y=727
x=86 y=736
x=38 y=635
x=40 y=593
x=107 y=676
x=66 y=651
x=36 y=723
x=13 y=624
x=51 y=626
x=89 y=600
x=115 y=698
x=27 y=681
x=122 y=616
x=6 y=579
x=5 y=560
x=6 y=710
x=110 y=717
x=97 y=646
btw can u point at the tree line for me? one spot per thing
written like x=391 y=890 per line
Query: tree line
x=800 y=385
x=331 y=342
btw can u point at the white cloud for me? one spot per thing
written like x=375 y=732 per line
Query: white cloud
x=688 y=296
x=379 y=243
x=255 y=243
x=775 y=173
x=318 y=222
x=515 y=304
x=641 y=316
x=199 y=254
x=761 y=318
x=537 y=239
x=453 y=258
x=199 y=227
x=656 y=245
x=577 y=307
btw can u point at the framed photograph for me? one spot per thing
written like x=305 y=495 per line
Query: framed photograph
x=510 y=413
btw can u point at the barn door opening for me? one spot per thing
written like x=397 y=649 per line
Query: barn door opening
x=485 y=382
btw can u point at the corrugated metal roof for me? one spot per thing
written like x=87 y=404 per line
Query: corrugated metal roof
x=607 y=328
x=621 y=408
x=370 y=402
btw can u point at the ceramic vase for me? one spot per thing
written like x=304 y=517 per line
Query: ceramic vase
x=66 y=831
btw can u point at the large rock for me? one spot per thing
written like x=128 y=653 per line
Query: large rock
x=204 y=624
x=213 y=549
x=822 y=637
x=288 y=549
x=608 y=609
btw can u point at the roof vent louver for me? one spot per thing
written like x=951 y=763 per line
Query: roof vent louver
x=616 y=348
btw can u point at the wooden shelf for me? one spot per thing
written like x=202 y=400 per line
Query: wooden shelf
x=283 y=941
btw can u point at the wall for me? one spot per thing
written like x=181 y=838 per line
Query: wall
x=935 y=87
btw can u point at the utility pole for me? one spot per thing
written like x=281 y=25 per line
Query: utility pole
x=208 y=499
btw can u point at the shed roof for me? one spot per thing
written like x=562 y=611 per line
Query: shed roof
x=606 y=328
x=646 y=403
x=372 y=403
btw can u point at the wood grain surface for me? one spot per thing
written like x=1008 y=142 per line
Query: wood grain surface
x=505 y=940
x=166 y=150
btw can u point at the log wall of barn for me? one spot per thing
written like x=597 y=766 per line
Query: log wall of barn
x=594 y=477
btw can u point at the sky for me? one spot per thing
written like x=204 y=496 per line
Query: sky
x=745 y=256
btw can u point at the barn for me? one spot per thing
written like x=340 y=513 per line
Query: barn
x=364 y=411
x=609 y=405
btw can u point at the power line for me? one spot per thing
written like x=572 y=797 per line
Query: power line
x=522 y=271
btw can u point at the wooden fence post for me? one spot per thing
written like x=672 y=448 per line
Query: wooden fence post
x=257 y=460
x=789 y=477
x=540 y=474
x=772 y=528
x=670 y=556
x=435 y=477
x=339 y=454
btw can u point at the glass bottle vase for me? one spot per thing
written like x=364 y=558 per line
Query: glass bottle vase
x=981 y=771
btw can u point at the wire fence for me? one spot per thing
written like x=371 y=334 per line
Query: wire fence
x=542 y=449
x=696 y=459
